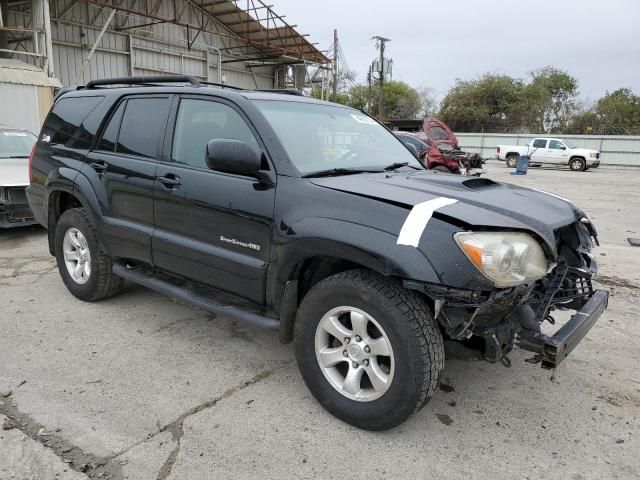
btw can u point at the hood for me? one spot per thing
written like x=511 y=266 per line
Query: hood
x=438 y=132
x=14 y=172
x=480 y=202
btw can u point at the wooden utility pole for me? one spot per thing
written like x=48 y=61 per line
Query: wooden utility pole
x=381 y=73
x=370 y=80
x=335 y=65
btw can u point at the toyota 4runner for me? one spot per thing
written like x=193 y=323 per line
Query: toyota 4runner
x=312 y=219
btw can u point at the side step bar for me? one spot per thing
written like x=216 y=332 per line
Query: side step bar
x=205 y=303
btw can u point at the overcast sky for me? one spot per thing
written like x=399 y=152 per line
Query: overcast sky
x=435 y=42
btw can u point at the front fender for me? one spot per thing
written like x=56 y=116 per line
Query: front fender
x=312 y=237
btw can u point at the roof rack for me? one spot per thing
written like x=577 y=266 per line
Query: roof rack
x=286 y=91
x=221 y=85
x=144 y=80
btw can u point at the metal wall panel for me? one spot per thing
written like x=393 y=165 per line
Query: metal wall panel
x=22 y=102
x=152 y=50
x=615 y=150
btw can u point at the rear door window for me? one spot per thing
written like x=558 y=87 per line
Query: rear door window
x=539 y=143
x=142 y=125
x=65 y=117
x=110 y=135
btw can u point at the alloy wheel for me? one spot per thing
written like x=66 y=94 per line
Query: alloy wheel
x=354 y=353
x=77 y=257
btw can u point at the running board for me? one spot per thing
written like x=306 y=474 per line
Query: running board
x=201 y=301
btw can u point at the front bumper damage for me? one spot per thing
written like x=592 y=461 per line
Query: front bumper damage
x=553 y=350
x=506 y=318
x=14 y=208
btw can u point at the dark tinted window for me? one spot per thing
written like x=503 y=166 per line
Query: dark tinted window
x=110 y=135
x=413 y=141
x=438 y=133
x=142 y=125
x=539 y=143
x=200 y=121
x=66 y=117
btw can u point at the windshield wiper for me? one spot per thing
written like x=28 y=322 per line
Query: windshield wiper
x=396 y=165
x=340 y=171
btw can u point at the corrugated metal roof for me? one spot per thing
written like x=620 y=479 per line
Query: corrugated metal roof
x=17 y=71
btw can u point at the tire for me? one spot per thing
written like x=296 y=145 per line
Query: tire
x=441 y=168
x=511 y=161
x=99 y=282
x=577 y=164
x=404 y=322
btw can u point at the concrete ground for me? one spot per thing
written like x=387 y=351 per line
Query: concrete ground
x=140 y=387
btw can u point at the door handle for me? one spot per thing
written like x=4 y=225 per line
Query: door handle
x=169 y=180
x=100 y=166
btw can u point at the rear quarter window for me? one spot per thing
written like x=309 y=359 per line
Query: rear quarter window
x=66 y=117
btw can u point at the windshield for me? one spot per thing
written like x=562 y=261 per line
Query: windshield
x=321 y=137
x=16 y=143
x=569 y=144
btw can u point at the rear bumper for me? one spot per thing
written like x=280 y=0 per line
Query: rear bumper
x=553 y=350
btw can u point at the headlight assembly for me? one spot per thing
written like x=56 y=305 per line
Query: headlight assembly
x=593 y=154
x=506 y=258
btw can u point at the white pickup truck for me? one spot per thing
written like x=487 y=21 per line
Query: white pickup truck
x=555 y=151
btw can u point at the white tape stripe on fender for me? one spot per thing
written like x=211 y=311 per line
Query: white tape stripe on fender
x=418 y=218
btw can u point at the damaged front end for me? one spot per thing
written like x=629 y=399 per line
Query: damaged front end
x=510 y=317
x=14 y=208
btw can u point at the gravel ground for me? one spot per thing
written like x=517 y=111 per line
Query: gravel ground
x=140 y=387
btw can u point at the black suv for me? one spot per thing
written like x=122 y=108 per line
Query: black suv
x=312 y=219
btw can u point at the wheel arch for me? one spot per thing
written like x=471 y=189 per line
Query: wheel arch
x=62 y=196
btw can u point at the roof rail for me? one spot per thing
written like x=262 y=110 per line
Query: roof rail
x=221 y=85
x=144 y=80
x=286 y=91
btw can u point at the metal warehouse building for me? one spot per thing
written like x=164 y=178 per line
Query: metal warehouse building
x=240 y=43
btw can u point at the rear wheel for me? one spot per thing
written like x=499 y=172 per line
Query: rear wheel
x=511 y=161
x=369 y=350
x=84 y=267
x=577 y=164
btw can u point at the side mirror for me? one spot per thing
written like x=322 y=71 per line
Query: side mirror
x=563 y=148
x=412 y=148
x=232 y=156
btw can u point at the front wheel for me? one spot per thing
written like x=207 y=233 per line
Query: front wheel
x=577 y=164
x=369 y=350
x=511 y=161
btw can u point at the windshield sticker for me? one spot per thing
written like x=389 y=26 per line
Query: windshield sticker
x=363 y=119
x=418 y=218
x=15 y=134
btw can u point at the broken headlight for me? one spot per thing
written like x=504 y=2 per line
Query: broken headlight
x=506 y=258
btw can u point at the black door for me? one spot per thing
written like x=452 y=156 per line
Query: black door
x=211 y=227
x=122 y=170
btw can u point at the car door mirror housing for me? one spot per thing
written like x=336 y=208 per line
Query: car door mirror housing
x=412 y=148
x=232 y=156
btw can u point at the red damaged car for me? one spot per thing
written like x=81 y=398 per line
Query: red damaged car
x=437 y=148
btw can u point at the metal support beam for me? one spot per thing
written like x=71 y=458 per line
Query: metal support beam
x=93 y=49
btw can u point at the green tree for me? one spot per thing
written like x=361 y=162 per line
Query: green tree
x=551 y=99
x=618 y=113
x=491 y=103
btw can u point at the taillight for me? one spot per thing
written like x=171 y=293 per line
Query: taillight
x=33 y=150
x=498 y=149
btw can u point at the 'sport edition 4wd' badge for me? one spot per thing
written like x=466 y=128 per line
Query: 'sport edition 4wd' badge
x=252 y=246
